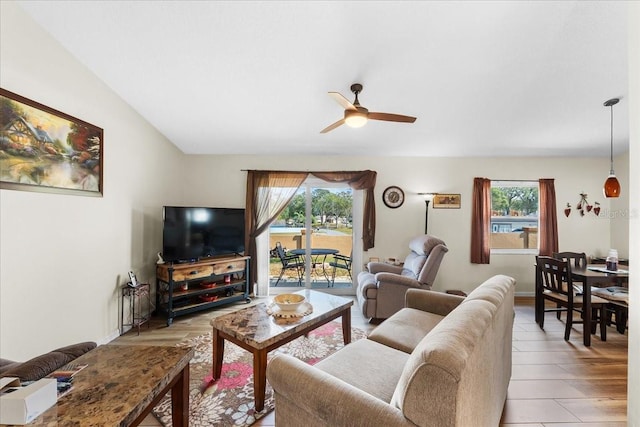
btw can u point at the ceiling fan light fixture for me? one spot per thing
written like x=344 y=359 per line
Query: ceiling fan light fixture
x=611 y=185
x=356 y=116
x=355 y=119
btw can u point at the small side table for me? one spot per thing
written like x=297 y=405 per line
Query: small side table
x=136 y=297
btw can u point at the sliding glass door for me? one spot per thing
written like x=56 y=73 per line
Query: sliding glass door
x=315 y=240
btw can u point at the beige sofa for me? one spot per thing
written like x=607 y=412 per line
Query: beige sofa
x=444 y=360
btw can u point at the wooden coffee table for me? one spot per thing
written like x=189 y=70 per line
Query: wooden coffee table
x=122 y=384
x=255 y=330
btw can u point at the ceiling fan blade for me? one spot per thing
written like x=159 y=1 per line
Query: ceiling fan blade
x=332 y=126
x=391 y=117
x=344 y=102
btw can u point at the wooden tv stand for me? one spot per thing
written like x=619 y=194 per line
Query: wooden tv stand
x=190 y=287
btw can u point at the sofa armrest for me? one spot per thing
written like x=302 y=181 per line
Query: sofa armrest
x=386 y=279
x=379 y=267
x=326 y=397
x=41 y=366
x=432 y=301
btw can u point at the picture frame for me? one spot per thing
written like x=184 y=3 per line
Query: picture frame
x=48 y=151
x=446 y=201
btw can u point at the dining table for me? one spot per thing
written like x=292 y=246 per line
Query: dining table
x=316 y=254
x=591 y=275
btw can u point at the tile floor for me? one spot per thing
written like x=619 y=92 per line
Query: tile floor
x=553 y=383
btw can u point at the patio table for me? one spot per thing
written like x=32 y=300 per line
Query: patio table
x=316 y=253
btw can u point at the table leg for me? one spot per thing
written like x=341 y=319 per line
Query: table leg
x=346 y=325
x=218 y=354
x=259 y=378
x=539 y=301
x=324 y=270
x=621 y=320
x=180 y=399
x=586 y=313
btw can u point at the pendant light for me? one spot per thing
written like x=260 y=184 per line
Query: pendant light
x=611 y=185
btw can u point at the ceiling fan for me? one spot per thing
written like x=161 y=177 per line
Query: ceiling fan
x=356 y=115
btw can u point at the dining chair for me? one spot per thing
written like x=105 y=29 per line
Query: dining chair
x=341 y=262
x=289 y=262
x=556 y=285
x=578 y=260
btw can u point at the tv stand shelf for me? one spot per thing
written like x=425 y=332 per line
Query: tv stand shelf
x=190 y=287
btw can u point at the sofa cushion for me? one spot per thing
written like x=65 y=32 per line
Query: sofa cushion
x=413 y=264
x=43 y=365
x=405 y=329
x=368 y=366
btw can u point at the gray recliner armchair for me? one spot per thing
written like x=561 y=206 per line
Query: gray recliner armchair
x=381 y=290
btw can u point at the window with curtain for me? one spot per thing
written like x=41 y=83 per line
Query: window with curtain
x=514 y=217
x=503 y=218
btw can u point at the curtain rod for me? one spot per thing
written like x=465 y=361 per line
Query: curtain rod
x=307 y=171
x=514 y=180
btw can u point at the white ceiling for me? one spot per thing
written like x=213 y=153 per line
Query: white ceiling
x=497 y=78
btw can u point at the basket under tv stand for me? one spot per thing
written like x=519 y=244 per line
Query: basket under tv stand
x=184 y=288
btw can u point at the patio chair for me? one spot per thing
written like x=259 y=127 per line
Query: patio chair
x=343 y=262
x=289 y=262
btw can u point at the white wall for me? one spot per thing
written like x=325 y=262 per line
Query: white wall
x=395 y=227
x=63 y=257
x=633 y=395
x=619 y=212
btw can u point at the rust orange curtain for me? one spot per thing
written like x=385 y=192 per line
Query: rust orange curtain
x=480 y=221
x=548 y=218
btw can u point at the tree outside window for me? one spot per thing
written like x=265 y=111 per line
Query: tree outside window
x=514 y=215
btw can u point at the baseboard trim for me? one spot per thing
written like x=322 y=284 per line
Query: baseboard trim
x=115 y=334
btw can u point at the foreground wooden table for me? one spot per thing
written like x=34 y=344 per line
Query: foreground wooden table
x=122 y=384
x=258 y=332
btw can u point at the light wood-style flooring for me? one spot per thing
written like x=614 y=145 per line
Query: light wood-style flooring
x=554 y=383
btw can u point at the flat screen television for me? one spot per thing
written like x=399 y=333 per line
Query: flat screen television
x=193 y=233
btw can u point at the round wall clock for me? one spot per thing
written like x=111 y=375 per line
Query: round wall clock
x=393 y=197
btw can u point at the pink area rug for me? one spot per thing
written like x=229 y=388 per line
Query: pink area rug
x=229 y=401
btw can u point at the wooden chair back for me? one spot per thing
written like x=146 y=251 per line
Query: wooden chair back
x=555 y=276
x=577 y=259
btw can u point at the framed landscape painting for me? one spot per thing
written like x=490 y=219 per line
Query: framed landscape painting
x=446 y=201
x=45 y=150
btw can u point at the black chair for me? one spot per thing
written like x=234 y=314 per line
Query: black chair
x=343 y=262
x=556 y=286
x=289 y=262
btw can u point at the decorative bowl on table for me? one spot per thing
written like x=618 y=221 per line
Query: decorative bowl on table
x=289 y=302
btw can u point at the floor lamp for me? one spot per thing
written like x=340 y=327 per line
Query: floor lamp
x=428 y=197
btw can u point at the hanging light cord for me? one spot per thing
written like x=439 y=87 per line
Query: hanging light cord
x=611 y=151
